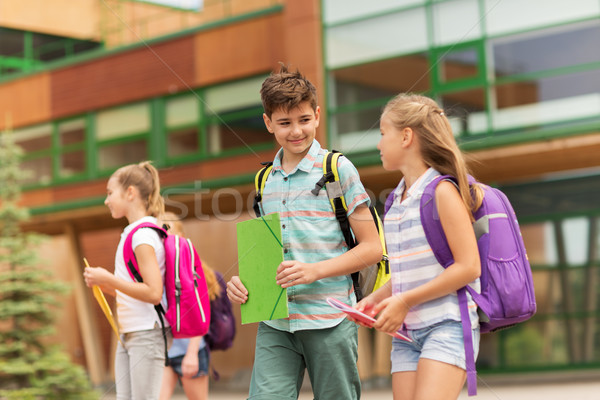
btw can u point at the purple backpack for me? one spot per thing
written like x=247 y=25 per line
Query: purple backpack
x=188 y=303
x=507 y=294
x=222 y=322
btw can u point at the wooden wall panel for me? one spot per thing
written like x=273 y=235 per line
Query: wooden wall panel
x=75 y=19
x=239 y=50
x=149 y=71
x=25 y=101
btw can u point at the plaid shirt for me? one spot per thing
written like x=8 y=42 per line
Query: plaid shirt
x=311 y=233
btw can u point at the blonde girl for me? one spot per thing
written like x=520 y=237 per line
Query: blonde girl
x=417 y=140
x=133 y=192
x=188 y=358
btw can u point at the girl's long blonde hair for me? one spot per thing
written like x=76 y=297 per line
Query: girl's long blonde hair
x=438 y=146
x=144 y=177
x=175 y=227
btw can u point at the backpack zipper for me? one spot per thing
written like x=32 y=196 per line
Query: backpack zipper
x=195 y=280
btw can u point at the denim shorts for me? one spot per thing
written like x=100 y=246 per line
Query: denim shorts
x=175 y=363
x=441 y=342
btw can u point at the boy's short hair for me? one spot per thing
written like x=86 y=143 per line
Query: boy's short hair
x=286 y=90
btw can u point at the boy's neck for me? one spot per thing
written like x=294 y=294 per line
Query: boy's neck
x=289 y=161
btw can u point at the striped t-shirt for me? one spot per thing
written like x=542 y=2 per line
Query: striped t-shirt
x=311 y=233
x=412 y=260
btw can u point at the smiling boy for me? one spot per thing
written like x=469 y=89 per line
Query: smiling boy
x=317 y=263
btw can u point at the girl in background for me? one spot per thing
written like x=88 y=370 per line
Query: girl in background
x=133 y=192
x=417 y=140
x=188 y=358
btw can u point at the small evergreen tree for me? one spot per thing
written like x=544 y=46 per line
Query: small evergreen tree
x=29 y=368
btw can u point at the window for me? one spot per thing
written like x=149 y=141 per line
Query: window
x=516 y=15
x=71 y=136
x=36 y=143
x=182 y=123
x=234 y=116
x=546 y=50
x=122 y=135
x=385 y=36
x=358 y=94
x=446 y=26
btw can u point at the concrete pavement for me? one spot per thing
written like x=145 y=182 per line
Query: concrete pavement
x=552 y=386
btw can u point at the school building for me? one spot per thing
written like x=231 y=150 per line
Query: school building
x=90 y=85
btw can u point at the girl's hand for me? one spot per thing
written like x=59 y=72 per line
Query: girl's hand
x=392 y=312
x=236 y=291
x=189 y=365
x=97 y=276
x=292 y=273
x=366 y=306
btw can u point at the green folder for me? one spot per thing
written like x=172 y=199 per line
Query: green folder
x=259 y=254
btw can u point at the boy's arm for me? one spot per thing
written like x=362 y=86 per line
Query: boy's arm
x=367 y=252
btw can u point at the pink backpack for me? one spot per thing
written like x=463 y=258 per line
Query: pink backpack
x=188 y=303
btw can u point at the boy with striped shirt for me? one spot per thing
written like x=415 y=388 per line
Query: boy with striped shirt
x=317 y=263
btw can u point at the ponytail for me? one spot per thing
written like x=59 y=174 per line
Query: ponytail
x=144 y=177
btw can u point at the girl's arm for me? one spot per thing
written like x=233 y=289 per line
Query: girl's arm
x=149 y=291
x=189 y=364
x=367 y=252
x=457 y=226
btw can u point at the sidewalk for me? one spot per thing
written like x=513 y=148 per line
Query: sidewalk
x=554 y=386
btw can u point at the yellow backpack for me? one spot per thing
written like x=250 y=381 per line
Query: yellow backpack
x=368 y=279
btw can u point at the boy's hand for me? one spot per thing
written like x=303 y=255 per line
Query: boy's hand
x=292 y=273
x=236 y=291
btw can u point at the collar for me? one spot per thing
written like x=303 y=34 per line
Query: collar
x=306 y=164
x=418 y=186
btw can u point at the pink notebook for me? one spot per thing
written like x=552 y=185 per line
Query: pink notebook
x=362 y=317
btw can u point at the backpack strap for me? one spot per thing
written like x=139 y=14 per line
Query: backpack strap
x=259 y=184
x=331 y=181
x=434 y=232
x=134 y=271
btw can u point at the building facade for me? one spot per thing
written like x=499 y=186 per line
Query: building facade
x=87 y=88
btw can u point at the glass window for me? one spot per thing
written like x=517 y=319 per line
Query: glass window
x=466 y=111
x=379 y=80
x=546 y=50
x=182 y=110
x=234 y=113
x=235 y=95
x=71 y=132
x=575 y=232
x=457 y=65
x=72 y=163
x=540 y=242
x=123 y=121
x=115 y=155
x=545 y=100
x=34 y=139
x=339 y=10
x=376 y=38
x=361 y=91
x=182 y=118
x=445 y=16
x=37 y=170
x=12 y=43
x=183 y=141
x=516 y=15
x=237 y=130
x=358 y=130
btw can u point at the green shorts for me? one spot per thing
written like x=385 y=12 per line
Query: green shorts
x=329 y=355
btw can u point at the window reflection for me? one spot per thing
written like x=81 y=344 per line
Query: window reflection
x=547 y=50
